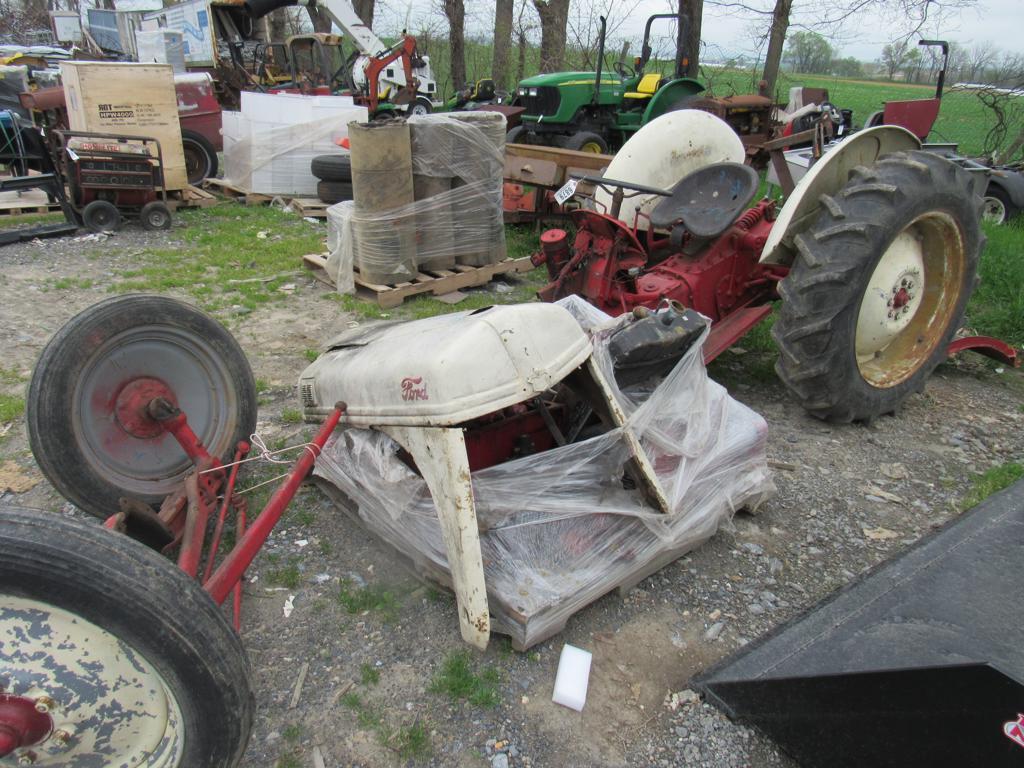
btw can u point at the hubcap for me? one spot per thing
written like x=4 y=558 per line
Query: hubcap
x=913 y=291
x=993 y=211
x=77 y=695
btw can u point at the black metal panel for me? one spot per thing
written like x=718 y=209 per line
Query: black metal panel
x=921 y=655
x=546 y=102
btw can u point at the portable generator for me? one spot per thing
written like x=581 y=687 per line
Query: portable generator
x=113 y=177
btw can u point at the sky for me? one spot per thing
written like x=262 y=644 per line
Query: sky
x=725 y=33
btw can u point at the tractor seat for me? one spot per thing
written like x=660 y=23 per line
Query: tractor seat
x=707 y=201
x=646 y=88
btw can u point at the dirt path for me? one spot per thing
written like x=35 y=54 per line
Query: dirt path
x=367 y=694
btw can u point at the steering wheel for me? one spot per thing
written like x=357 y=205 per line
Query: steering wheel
x=623 y=70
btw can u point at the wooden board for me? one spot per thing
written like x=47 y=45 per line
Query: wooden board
x=227 y=189
x=28 y=209
x=310 y=206
x=191 y=197
x=437 y=282
x=128 y=99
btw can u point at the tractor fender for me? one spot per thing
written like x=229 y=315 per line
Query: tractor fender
x=1011 y=182
x=671 y=96
x=827 y=177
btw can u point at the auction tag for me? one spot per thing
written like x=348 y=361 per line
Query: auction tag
x=567 y=191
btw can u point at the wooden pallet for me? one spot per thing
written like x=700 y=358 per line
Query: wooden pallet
x=28 y=209
x=222 y=187
x=310 y=206
x=191 y=197
x=437 y=282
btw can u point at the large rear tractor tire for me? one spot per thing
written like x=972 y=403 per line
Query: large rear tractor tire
x=85 y=410
x=112 y=656
x=879 y=287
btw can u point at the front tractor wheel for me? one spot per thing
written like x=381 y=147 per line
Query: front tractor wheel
x=879 y=287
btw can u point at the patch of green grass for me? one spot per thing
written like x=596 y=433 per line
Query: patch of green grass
x=370 y=598
x=326 y=547
x=291 y=416
x=29 y=220
x=11 y=407
x=311 y=354
x=409 y=742
x=303 y=517
x=11 y=376
x=997 y=305
x=458 y=681
x=223 y=261
x=369 y=674
x=68 y=283
x=289 y=760
x=262 y=385
x=991 y=481
x=292 y=732
x=286 y=575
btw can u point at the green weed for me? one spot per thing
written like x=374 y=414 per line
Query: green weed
x=289 y=761
x=410 y=742
x=997 y=305
x=287 y=575
x=291 y=416
x=292 y=732
x=991 y=481
x=457 y=680
x=11 y=407
x=369 y=674
x=311 y=354
x=370 y=598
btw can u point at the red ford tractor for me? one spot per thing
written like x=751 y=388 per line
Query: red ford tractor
x=874 y=256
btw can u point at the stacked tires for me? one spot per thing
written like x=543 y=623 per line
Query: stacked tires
x=335 y=177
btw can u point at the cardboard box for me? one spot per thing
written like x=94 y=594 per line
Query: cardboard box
x=128 y=99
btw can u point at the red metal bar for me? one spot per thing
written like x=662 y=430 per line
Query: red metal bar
x=997 y=349
x=240 y=451
x=178 y=426
x=230 y=571
x=240 y=526
x=195 y=526
x=730 y=329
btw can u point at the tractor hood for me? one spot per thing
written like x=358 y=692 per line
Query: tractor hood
x=569 y=78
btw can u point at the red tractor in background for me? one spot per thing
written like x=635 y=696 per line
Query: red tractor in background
x=874 y=256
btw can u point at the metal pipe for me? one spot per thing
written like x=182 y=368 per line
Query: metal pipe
x=230 y=571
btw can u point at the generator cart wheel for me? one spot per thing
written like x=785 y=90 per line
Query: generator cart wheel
x=154 y=216
x=332 y=168
x=200 y=157
x=879 y=286
x=111 y=655
x=101 y=216
x=998 y=207
x=87 y=423
x=585 y=141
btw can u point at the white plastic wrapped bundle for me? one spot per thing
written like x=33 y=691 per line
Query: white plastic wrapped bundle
x=559 y=528
x=339 y=245
x=461 y=221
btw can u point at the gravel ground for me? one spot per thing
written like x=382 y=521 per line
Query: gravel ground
x=848 y=497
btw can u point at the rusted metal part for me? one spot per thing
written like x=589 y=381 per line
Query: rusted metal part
x=22 y=723
x=230 y=499
x=988 y=346
x=227 y=575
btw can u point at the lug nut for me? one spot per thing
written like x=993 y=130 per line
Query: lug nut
x=27 y=758
x=44 y=704
x=62 y=737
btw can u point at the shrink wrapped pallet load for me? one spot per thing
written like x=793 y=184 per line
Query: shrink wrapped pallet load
x=432 y=185
x=483 y=156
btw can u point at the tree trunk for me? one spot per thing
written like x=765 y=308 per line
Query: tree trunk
x=278 y=25
x=455 y=10
x=554 y=16
x=503 y=12
x=364 y=9
x=321 y=21
x=694 y=9
x=521 y=62
x=776 y=42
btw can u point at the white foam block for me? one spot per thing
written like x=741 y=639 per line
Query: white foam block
x=573 y=678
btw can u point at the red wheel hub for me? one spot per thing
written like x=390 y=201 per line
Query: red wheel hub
x=130 y=407
x=901 y=298
x=21 y=724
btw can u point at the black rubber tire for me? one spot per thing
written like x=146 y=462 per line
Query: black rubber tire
x=517 y=135
x=836 y=258
x=332 y=167
x=101 y=216
x=1009 y=209
x=579 y=140
x=51 y=428
x=334 y=191
x=200 y=157
x=420 y=106
x=149 y=604
x=155 y=216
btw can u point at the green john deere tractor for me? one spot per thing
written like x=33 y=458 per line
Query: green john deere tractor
x=595 y=111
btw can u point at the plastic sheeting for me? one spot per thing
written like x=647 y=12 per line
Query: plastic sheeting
x=560 y=528
x=457 y=214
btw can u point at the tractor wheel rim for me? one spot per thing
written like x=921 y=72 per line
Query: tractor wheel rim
x=994 y=211
x=157 y=219
x=190 y=374
x=913 y=290
x=592 y=147
x=107 y=704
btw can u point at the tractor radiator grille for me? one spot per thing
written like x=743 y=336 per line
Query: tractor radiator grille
x=546 y=102
x=307 y=394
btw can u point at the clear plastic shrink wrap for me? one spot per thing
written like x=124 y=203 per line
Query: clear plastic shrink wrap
x=456 y=213
x=558 y=529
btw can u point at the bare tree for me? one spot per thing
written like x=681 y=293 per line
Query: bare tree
x=455 y=12
x=365 y=9
x=776 y=43
x=504 y=11
x=554 y=17
x=978 y=59
x=894 y=56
